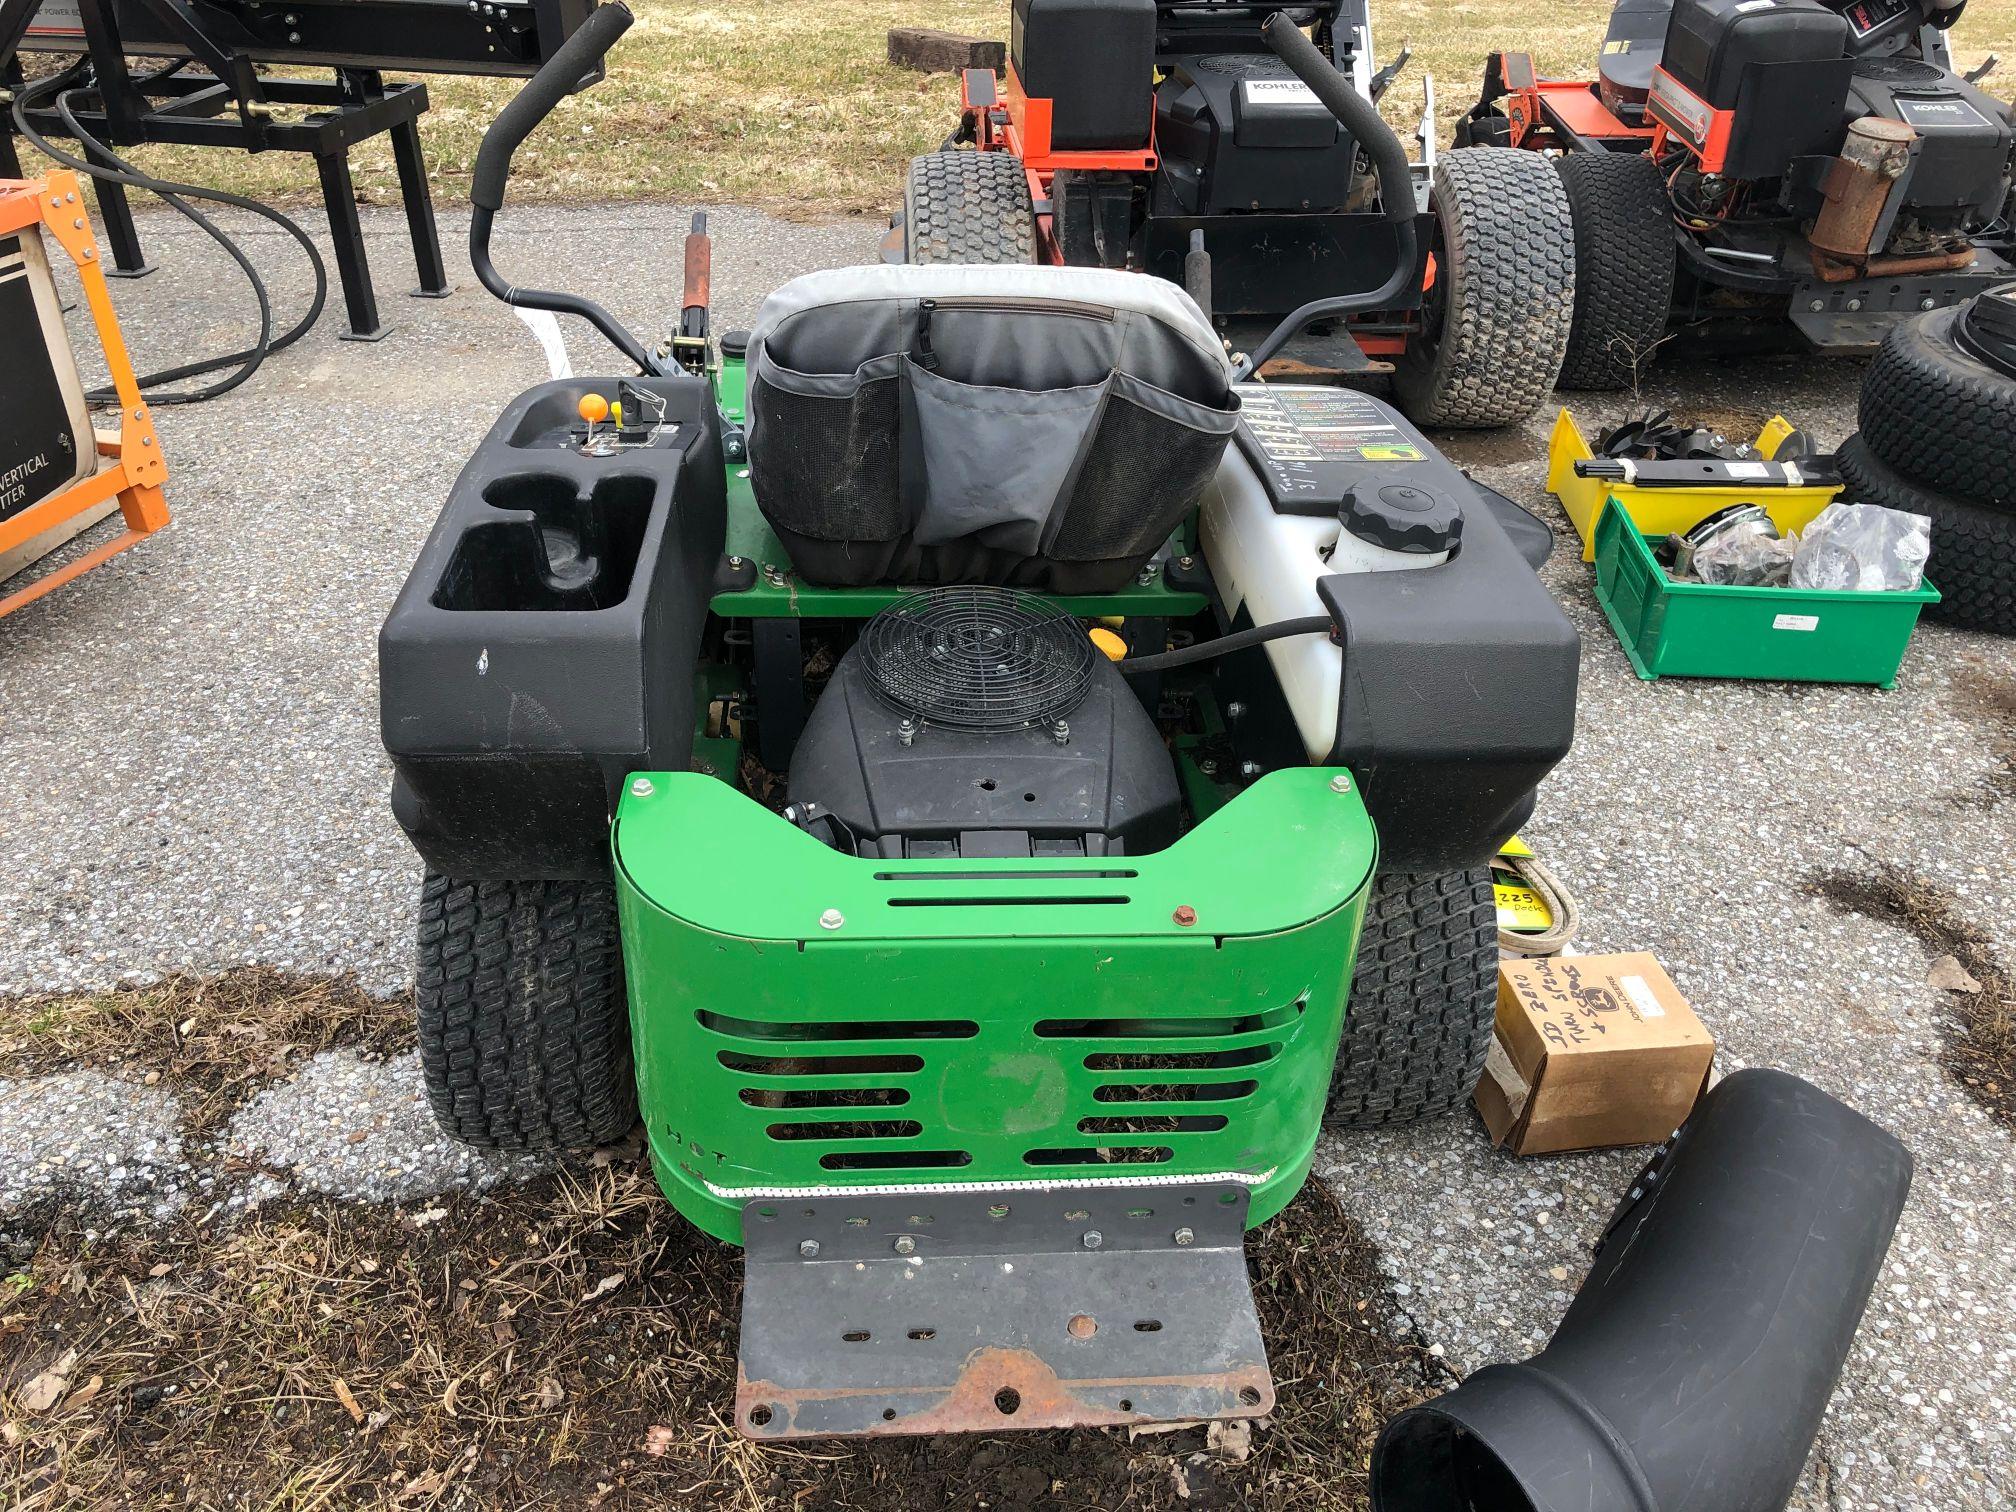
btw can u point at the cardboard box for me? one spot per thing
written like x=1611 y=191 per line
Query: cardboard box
x=1590 y=1052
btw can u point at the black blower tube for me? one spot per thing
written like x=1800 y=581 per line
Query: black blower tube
x=560 y=75
x=1360 y=117
x=1690 y=1371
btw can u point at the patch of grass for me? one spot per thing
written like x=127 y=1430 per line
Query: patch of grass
x=794 y=106
x=342 y=1356
x=1982 y=1050
x=215 y=1040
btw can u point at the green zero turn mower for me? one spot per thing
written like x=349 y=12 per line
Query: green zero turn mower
x=943 y=759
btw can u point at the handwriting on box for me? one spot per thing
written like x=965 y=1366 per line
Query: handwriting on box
x=1571 y=1008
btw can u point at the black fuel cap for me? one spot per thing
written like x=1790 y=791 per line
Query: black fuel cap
x=1402 y=517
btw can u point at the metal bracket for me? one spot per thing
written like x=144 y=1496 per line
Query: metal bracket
x=932 y=1312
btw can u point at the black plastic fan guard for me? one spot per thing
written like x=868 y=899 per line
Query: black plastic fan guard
x=977 y=658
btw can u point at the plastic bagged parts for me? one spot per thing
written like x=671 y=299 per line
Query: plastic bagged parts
x=1748 y=554
x=1863 y=547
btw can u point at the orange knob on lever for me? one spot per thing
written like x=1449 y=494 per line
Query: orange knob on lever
x=593 y=408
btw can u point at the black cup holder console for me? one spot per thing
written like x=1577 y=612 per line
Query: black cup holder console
x=542 y=647
x=551 y=546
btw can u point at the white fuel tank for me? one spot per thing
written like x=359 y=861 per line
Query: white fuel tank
x=1309 y=462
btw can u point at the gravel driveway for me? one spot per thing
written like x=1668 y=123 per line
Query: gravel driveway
x=190 y=777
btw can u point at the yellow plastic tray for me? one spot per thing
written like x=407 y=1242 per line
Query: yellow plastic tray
x=1668 y=511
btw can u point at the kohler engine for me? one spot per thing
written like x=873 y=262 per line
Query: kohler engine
x=981 y=722
x=1238 y=132
x=1831 y=112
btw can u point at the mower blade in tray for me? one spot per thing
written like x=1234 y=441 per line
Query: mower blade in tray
x=948 y=1312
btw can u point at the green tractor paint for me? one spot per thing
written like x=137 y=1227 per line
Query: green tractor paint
x=807 y=1021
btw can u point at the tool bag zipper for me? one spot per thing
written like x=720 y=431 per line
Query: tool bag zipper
x=927 y=358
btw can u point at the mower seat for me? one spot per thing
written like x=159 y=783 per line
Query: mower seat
x=1632 y=48
x=1032 y=427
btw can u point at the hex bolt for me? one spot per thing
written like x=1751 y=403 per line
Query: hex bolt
x=906 y=731
x=1235 y=710
x=642 y=788
x=1928 y=304
x=1208 y=767
x=1062 y=731
x=1817 y=305
x=1184 y=915
x=293 y=36
x=1185 y=1236
x=832 y=919
x=1146 y=575
x=1340 y=783
x=809 y=1248
x=1250 y=769
x=904 y=1245
x=1093 y=1239
x=1854 y=304
x=735 y=562
x=1186 y=563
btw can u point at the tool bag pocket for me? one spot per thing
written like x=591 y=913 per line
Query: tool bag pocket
x=994 y=460
x=1146 y=462
x=830 y=467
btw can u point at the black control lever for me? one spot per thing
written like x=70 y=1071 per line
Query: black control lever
x=1360 y=117
x=1383 y=80
x=577 y=59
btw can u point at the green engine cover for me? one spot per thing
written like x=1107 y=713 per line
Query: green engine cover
x=808 y=1022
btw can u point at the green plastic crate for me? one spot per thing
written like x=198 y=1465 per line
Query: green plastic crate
x=1672 y=629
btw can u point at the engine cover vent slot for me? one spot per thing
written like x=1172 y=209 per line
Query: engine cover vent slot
x=977 y=658
x=1898 y=70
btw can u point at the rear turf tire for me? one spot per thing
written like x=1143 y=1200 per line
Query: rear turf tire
x=968 y=207
x=1941 y=415
x=1973 y=562
x=1497 y=318
x=524 y=1027
x=1424 y=995
x=1624 y=263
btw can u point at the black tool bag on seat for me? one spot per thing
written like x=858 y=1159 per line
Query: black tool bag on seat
x=1043 y=428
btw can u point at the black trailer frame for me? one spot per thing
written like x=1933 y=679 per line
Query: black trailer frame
x=214 y=96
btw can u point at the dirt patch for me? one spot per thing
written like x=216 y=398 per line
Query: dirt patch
x=1988 y=699
x=572 y=1343
x=215 y=1040
x=1981 y=1050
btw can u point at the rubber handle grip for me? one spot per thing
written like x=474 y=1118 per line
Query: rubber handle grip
x=1354 y=112
x=579 y=56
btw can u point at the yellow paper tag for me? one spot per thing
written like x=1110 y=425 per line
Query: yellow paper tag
x=1515 y=847
x=1520 y=909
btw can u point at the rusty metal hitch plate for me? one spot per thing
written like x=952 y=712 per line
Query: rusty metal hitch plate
x=950 y=1312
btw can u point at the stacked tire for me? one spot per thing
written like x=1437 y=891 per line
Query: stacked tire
x=1938 y=412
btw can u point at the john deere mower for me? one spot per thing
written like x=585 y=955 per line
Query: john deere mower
x=1237 y=149
x=943 y=759
x=1810 y=167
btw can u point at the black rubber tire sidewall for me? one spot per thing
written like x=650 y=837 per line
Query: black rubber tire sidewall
x=1507 y=270
x=968 y=207
x=1940 y=416
x=1424 y=996
x=524 y=1022
x=1624 y=266
x=1973 y=562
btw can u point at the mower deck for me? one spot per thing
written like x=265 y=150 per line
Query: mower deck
x=930 y=1311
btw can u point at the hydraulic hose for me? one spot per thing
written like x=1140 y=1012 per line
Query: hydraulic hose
x=579 y=56
x=1225 y=645
x=1361 y=118
x=115 y=169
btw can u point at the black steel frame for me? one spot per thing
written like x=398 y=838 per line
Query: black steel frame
x=224 y=103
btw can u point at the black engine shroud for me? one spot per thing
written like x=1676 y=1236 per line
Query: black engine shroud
x=1103 y=786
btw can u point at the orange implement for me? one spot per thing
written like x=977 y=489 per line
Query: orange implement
x=130 y=465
